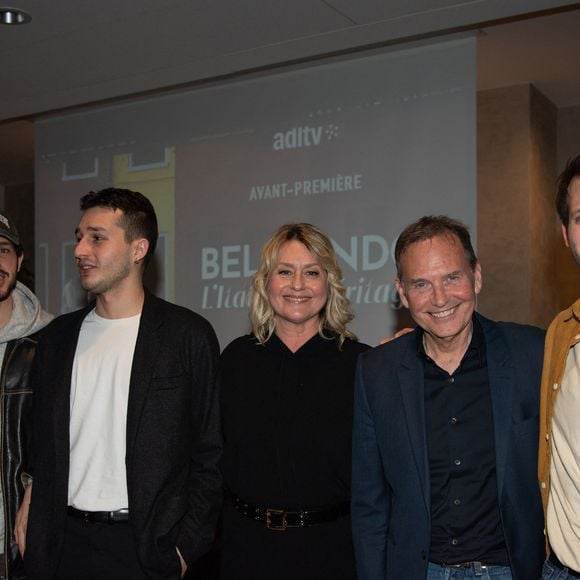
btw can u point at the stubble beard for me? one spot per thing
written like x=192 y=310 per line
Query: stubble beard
x=107 y=283
x=5 y=294
x=576 y=255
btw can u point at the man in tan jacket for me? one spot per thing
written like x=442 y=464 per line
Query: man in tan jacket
x=559 y=451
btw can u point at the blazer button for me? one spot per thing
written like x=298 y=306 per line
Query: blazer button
x=555 y=386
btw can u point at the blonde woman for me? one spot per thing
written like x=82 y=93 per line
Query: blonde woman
x=287 y=418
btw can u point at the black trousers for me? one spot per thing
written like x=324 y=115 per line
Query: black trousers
x=94 y=551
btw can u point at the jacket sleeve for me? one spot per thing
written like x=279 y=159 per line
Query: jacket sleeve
x=197 y=530
x=370 y=493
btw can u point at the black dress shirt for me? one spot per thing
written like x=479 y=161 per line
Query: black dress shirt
x=465 y=518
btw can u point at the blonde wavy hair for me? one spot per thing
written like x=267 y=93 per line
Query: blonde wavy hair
x=336 y=313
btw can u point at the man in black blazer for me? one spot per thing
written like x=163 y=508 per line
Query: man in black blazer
x=126 y=441
x=446 y=428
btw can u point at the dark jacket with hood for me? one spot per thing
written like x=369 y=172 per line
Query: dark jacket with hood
x=18 y=338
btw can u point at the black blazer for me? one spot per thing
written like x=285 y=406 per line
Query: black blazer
x=391 y=493
x=173 y=439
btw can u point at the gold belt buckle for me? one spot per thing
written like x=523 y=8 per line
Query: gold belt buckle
x=272 y=521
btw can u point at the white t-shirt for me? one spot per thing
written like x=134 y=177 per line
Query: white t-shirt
x=563 y=514
x=98 y=412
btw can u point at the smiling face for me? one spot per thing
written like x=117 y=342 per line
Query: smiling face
x=439 y=288
x=571 y=233
x=105 y=259
x=297 y=289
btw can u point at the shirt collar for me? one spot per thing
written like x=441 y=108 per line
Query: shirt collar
x=476 y=344
x=574 y=311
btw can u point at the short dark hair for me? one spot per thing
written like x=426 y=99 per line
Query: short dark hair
x=571 y=171
x=138 y=219
x=429 y=227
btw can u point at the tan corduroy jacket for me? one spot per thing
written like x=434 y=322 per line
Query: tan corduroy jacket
x=563 y=334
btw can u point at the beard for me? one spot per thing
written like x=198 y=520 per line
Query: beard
x=115 y=274
x=5 y=293
x=576 y=255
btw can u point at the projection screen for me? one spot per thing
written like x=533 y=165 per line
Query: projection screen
x=359 y=147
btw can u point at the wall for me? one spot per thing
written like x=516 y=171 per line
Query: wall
x=17 y=187
x=18 y=203
x=517 y=236
x=523 y=143
x=568 y=275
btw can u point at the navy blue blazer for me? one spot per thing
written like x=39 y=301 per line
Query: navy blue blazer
x=391 y=481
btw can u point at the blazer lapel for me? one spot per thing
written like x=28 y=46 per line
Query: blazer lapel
x=144 y=360
x=412 y=392
x=501 y=385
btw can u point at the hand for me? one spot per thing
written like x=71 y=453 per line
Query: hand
x=182 y=562
x=397 y=334
x=21 y=523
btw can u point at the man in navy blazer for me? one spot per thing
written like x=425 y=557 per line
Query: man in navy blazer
x=446 y=428
x=127 y=441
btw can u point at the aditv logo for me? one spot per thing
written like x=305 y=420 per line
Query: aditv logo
x=305 y=136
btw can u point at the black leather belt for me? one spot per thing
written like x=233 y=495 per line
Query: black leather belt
x=280 y=519
x=553 y=559
x=115 y=517
x=463 y=565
